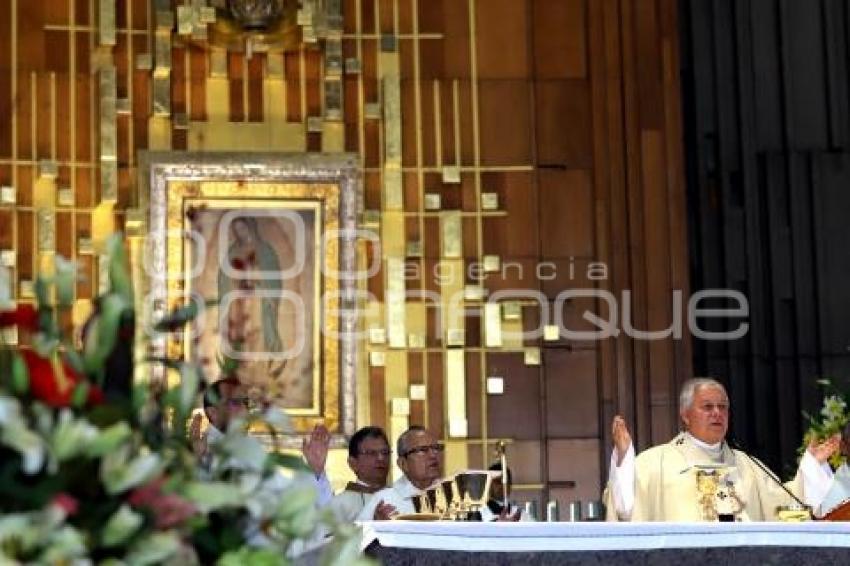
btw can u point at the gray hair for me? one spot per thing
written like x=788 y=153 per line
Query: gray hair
x=402 y=439
x=689 y=388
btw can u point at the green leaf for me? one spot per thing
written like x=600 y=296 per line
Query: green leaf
x=252 y=556
x=245 y=449
x=344 y=551
x=80 y=394
x=20 y=375
x=154 y=549
x=295 y=502
x=178 y=318
x=41 y=290
x=289 y=462
x=121 y=526
x=190 y=380
x=212 y=495
x=66 y=278
x=109 y=439
x=74 y=359
x=119 y=269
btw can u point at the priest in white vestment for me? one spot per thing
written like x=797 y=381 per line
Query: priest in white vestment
x=369 y=458
x=661 y=483
x=420 y=457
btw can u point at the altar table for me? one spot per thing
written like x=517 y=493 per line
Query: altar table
x=682 y=544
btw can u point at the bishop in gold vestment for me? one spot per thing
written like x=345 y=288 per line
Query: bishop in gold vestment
x=663 y=482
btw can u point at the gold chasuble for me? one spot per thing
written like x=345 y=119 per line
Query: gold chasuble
x=681 y=481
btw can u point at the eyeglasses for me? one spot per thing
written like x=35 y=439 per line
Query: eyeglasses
x=385 y=452
x=435 y=448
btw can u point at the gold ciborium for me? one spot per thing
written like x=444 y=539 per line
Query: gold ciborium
x=473 y=488
x=451 y=497
x=436 y=500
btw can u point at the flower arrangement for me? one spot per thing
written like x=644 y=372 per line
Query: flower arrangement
x=94 y=468
x=832 y=420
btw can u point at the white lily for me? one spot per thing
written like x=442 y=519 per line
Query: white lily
x=70 y=436
x=30 y=445
x=120 y=475
x=21 y=528
x=109 y=439
x=277 y=419
x=121 y=525
x=63 y=545
x=10 y=410
x=244 y=452
x=154 y=549
x=211 y=495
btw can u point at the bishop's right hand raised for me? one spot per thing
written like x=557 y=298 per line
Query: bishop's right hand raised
x=621 y=437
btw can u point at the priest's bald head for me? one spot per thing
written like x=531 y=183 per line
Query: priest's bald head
x=704 y=409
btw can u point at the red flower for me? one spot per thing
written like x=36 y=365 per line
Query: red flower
x=25 y=316
x=55 y=390
x=66 y=503
x=169 y=509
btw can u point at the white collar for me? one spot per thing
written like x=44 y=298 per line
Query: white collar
x=405 y=488
x=705 y=445
x=358 y=481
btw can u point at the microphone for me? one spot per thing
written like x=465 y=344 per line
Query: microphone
x=733 y=443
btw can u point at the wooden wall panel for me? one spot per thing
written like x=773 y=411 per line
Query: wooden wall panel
x=7 y=220
x=436 y=393
x=560 y=38
x=42 y=118
x=497 y=58
x=767 y=132
x=63 y=122
x=574 y=461
x=566 y=211
x=563 y=123
x=567 y=110
x=30 y=46
x=455 y=29
x=505 y=136
x=516 y=234
x=521 y=397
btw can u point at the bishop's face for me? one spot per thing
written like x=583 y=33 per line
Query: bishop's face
x=707 y=419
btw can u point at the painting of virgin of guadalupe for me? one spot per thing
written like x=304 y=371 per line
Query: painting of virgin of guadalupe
x=256 y=265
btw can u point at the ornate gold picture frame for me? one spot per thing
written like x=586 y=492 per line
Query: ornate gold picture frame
x=266 y=244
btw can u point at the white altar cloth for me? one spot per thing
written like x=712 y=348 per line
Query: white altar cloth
x=536 y=537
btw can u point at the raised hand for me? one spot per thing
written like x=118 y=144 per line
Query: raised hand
x=315 y=449
x=384 y=511
x=622 y=438
x=822 y=451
